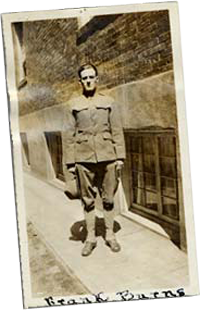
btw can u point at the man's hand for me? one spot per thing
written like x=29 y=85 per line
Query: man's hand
x=119 y=166
x=71 y=168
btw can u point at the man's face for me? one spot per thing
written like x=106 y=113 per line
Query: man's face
x=89 y=79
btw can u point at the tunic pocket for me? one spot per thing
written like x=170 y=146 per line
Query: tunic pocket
x=107 y=136
x=82 y=138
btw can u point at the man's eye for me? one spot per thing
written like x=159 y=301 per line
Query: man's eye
x=84 y=78
x=91 y=77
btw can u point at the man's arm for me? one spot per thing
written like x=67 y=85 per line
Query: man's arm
x=68 y=138
x=117 y=133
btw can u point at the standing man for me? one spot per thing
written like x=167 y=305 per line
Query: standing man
x=94 y=149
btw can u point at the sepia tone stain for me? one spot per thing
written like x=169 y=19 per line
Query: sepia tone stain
x=48 y=276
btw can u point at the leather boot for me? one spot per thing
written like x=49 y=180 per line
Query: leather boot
x=88 y=248
x=110 y=236
x=90 y=242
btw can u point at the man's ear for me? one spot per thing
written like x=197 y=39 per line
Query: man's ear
x=79 y=81
x=97 y=79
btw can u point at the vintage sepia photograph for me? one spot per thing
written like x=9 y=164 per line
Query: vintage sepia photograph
x=100 y=153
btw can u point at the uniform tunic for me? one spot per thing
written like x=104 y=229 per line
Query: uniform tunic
x=93 y=140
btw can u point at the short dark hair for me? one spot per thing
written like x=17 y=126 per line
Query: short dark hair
x=87 y=66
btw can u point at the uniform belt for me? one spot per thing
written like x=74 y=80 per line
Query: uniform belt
x=92 y=132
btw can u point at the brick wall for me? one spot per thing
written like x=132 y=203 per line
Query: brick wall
x=49 y=44
x=133 y=46
x=125 y=47
x=51 y=63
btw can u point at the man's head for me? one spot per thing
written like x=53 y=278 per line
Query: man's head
x=88 y=77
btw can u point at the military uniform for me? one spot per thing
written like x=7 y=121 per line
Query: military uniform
x=93 y=140
x=93 y=132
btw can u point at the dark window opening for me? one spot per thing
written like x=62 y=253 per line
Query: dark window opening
x=20 y=55
x=24 y=141
x=54 y=143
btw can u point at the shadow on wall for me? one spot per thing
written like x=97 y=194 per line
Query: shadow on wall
x=148 y=102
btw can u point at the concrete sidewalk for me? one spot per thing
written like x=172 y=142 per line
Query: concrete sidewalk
x=147 y=260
